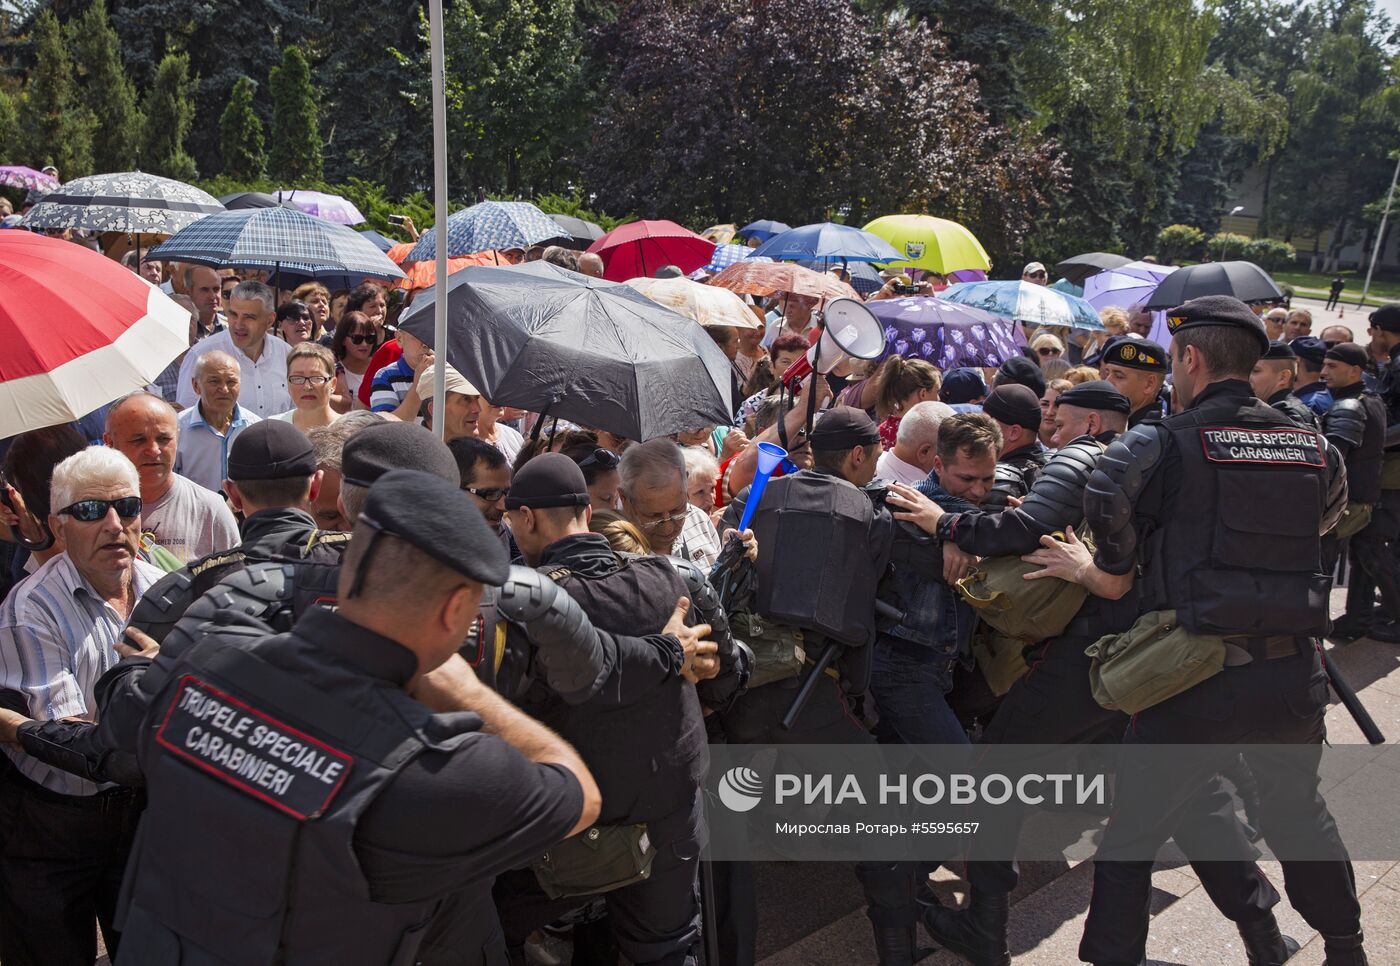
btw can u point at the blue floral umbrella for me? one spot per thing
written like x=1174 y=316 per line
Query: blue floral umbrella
x=946 y=334
x=1026 y=302
x=488 y=227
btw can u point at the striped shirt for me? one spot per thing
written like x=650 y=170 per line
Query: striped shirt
x=390 y=385
x=57 y=637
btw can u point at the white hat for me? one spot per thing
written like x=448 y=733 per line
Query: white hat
x=1032 y=268
x=454 y=381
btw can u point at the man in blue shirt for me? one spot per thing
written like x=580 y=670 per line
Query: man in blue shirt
x=209 y=427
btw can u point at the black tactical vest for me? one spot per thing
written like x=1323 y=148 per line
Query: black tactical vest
x=261 y=754
x=649 y=756
x=1241 y=552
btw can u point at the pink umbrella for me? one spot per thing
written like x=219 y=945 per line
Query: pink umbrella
x=639 y=248
x=330 y=207
x=18 y=176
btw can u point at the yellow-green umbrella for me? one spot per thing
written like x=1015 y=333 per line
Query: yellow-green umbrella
x=934 y=243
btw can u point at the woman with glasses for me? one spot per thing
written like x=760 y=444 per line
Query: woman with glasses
x=353 y=345
x=1047 y=346
x=294 y=324
x=310 y=379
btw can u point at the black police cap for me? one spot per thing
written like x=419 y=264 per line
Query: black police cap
x=844 y=427
x=1217 y=310
x=1014 y=405
x=548 y=480
x=375 y=450
x=1311 y=348
x=1097 y=394
x=1279 y=351
x=435 y=516
x=1135 y=354
x=962 y=386
x=271 y=450
x=1348 y=353
x=1387 y=317
x=1020 y=371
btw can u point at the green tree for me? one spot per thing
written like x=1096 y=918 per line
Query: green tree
x=9 y=130
x=55 y=127
x=107 y=90
x=1227 y=245
x=241 y=135
x=1178 y=241
x=296 y=137
x=990 y=35
x=169 y=110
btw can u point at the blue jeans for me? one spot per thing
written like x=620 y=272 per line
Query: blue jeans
x=909 y=683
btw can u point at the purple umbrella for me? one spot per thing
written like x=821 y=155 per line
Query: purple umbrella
x=968 y=275
x=330 y=207
x=18 y=176
x=946 y=334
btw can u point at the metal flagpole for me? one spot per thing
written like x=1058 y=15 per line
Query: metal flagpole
x=1380 y=235
x=440 y=215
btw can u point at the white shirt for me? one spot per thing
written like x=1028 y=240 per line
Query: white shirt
x=57 y=637
x=509 y=442
x=190 y=521
x=262 y=384
x=201 y=455
x=891 y=467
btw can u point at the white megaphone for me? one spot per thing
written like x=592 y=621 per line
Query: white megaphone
x=849 y=331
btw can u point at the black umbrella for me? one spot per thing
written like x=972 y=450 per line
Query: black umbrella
x=1080 y=267
x=581 y=233
x=252 y=199
x=1246 y=281
x=542 y=338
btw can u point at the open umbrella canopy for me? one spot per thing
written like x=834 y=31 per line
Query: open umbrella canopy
x=77 y=330
x=129 y=202
x=1126 y=286
x=1081 y=267
x=639 y=248
x=763 y=229
x=776 y=278
x=252 y=199
x=1026 y=302
x=424 y=274
x=334 y=208
x=19 y=176
x=967 y=275
x=377 y=240
x=1246 y=281
x=542 y=338
x=924 y=241
x=827 y=240
x=489 y=226
x=726 y=255
x=706 y=304
x=581 y=233
x=292 y=243
x=720 y=234
x=947 y=334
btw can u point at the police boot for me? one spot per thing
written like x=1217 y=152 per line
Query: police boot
x=1263 y=943
x=977 y=933
x=1343 y=950
x=889 y=893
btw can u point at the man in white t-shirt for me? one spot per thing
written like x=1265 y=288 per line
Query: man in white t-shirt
x=181 y=516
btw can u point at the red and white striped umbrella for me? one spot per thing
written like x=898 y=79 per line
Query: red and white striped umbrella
x=77 y=330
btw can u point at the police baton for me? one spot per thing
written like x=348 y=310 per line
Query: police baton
x=828 y=655
x=1349 y=698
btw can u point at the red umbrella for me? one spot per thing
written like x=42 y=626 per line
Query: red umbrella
x=639 y=248
x=77 y=331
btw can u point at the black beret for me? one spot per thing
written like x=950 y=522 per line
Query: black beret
x=1014 y=405
x=1279 y=351
x=1020 y=371
x=375 y=450
x=1349 y=353
x=1217 y=310
x=550 y=479
x=273 y=449
x=1135 y=354
x=843 y=427
x=1311 y=348
x=435 y=516
x=962 y=386
x=1098 y=394
x=1386 y=317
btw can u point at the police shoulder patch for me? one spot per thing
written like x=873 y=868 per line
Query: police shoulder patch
x=1282 y=446
x=251 y=750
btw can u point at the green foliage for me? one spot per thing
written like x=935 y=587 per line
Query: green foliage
x=1178 y=241
x=1226 y=245
x=9 y=130
x=169 y=109
x=572 y=205
x=241 y=134
x=55 y=126
x=990 y=34
x=296 y=137
x=106 y=89
x=372 y=200
x=1269 y=253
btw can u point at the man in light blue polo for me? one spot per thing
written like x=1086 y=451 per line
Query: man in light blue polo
x=208 y=428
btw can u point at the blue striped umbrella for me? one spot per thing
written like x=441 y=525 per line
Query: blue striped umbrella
x=489 y=226
x=281 y=240
x=726 y=255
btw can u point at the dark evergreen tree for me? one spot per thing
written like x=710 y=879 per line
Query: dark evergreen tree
x=55 y=126
x=169 y=110
x=106 y=89
x=9 y=131
x=991 y=35
x=241 y=135
x=295 y=154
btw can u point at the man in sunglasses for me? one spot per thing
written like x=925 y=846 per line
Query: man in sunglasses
x=486 y=479
x=58 y=634
x=1035 y=273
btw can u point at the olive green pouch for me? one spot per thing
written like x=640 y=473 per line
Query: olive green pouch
x=596 y=860
x=1390 y=472
x=1354 y=520
x=1001 y=659
x=777 y=648
x=1028 y=610
x=1152 y=661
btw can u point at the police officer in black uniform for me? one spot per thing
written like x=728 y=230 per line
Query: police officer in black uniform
x=1017 y=411
x=1272 y=381
x=641 y=730
x=306 y=803
x=1177 y=503
x=1138 y=369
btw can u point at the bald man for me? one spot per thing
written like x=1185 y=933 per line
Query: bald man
x=590 y=265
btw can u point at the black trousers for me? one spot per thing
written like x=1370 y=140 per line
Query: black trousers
x=654 y=921
x=1374 y=564
x=1265 y=702
x=61 y=871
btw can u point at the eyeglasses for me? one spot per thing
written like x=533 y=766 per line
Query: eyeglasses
x=360 y=339
x=1046 y=351
x=488 y=493
x=316 y=381
x=677 y=518
x=605 y=458
x=90 y=511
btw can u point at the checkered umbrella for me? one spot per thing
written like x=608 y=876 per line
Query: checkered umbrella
x=130 y=203
x=489 y=226
x=726 y=255
x=281 y=240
